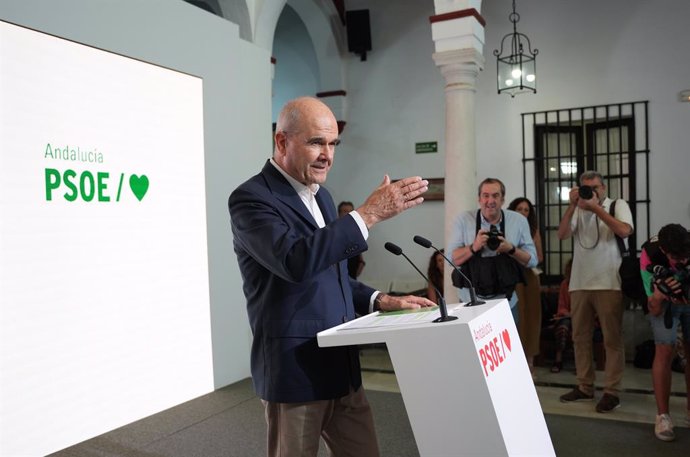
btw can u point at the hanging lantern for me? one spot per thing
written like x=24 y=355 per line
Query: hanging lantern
x=517 y=71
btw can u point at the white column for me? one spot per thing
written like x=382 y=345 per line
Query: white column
x=459 y=40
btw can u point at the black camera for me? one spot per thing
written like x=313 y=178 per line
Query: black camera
x=661 y=273
x=493 y=242
x=585 y=192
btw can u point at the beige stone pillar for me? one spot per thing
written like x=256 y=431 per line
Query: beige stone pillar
x=459 y=40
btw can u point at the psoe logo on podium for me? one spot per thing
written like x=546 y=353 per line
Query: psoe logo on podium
x=494 y=347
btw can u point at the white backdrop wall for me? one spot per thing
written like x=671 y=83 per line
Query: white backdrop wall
x=590 y=52
x=236 y=114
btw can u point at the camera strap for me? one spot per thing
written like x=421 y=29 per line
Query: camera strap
x=502 y=224
x=625 y=252
x=493 y=275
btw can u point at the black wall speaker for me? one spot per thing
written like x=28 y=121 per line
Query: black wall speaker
x=358 y=32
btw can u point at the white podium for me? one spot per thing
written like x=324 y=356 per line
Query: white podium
x=465 y=383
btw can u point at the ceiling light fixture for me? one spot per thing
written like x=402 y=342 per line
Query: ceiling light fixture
x=516 y=72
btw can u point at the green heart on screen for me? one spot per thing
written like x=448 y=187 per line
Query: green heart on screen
x=139 y=185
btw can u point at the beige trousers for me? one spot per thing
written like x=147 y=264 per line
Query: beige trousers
x=346 y=425
x=585 y=306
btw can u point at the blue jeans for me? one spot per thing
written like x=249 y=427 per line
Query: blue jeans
x=663 y=335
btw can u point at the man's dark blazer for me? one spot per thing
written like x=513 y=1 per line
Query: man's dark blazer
x=296 y=285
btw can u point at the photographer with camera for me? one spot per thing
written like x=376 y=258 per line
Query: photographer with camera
x=490 y=244
x=666 y=276
x=595 y=285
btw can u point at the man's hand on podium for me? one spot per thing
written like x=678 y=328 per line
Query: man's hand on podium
x=394 y=303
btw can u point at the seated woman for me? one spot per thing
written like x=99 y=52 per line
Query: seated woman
x=562 y=323
x=529 y=293
x=435 y=275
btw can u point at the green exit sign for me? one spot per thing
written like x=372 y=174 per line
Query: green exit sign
x=423 y=148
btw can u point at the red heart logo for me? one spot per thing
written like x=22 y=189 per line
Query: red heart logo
x=506 y=339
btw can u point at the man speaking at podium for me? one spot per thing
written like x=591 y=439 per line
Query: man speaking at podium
x=292 y=251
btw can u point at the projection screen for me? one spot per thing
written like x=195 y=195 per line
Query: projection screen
x=104 y=295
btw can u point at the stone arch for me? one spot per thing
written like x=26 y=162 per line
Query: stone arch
x=327 y=35
x=234 y=11
x=207 y=5
x=237 y=12
x=266 y=21
x=297 y=70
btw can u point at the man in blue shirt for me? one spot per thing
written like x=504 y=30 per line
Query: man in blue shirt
x=472 y=243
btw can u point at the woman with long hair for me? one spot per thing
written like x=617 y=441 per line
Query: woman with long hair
x=435 y=275
x=529 y=294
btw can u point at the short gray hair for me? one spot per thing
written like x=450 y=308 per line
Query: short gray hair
x=591 y=174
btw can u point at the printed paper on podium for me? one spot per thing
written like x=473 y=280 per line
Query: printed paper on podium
x=394 y=318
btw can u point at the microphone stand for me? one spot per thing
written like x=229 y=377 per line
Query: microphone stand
x=444 y=310
x=394 y=249
x=474 y=301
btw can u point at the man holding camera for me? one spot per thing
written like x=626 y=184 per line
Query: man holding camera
x=595 y=285
x=666 y=277
x=489 y=243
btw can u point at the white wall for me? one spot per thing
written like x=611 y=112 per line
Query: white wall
x=395 y=99
x=593 y=53
x=236 y=82
x=590 y=52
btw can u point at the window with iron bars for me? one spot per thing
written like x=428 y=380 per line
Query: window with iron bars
x=559 y=145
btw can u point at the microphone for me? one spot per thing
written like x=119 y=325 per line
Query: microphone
x=395 y=249
x=473 y=295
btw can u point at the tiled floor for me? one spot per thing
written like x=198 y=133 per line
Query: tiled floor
x=637 y=398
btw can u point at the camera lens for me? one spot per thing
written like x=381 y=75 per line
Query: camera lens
x=493 y=242
x=585 y=192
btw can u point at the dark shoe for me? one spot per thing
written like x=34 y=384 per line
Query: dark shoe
x=608 y=403
x=556 y=367
x=576 y=395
